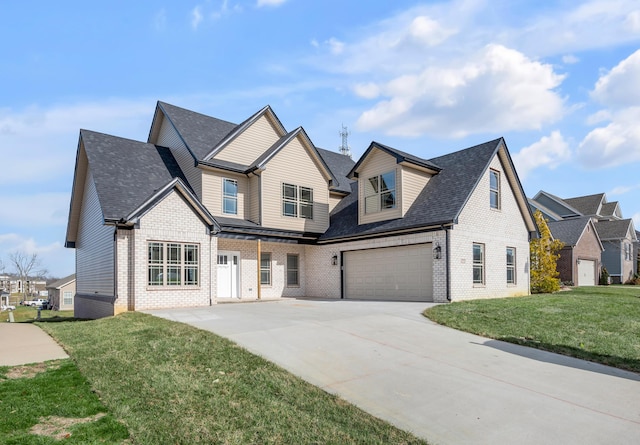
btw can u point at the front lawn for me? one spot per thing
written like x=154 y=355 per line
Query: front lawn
x=600 y=324
x=172 y=383
x=28 y=313
x=44 y=403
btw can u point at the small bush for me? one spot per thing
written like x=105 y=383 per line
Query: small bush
x=635 y=281
x=604 y=277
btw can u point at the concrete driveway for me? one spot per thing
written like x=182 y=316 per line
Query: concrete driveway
x=446 y=386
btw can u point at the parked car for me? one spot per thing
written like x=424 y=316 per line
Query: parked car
x=6 y=307
x=36 y=302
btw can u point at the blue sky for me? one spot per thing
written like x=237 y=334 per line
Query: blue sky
x=560 y=80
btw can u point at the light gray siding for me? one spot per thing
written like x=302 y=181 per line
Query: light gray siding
x=611 y=257
x=94 y=248
x=377 y=163
x=249 y=145
x=168 y=137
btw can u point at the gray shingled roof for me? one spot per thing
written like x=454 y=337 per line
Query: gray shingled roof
x=609 y=208
x=440 y=202
x=587 y=205
x=340 y=165
x=127 y=172
x=199 y=131
x=570 y=230
x=616 y=229
x=62 y=281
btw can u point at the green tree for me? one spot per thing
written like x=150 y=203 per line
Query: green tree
x=544 y=259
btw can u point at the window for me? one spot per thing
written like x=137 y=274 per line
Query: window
x=297 y=201
x=478 y=263
x=380 y=192
x=230 y=196
x=494 y=189
x=293 y=277
x=173 y=264
x=511 y=265
x=67 y=298
x=265 y=268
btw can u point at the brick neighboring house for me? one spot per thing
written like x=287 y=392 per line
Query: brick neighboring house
x=62 y=293
x=616 y=234
x=579 y=262
x=208 y=211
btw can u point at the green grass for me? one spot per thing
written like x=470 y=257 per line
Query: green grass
x=600 y=324
x=28 y=313
x=173 y=383
x=59 y=390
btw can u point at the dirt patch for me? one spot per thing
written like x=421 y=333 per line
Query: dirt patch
x=58 y=427
x=29 y=371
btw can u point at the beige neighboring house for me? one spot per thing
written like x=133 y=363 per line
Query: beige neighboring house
x=62 y=293
x=208 y=211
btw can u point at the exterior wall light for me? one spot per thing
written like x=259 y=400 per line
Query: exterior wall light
x=437 y=252
x=334 y=260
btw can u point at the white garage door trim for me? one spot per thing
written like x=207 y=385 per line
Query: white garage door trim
x=586 y=273
x=401 y=273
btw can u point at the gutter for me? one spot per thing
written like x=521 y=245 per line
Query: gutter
x=448 y=260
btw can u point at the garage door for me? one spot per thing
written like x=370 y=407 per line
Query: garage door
x=391 y=273
x=586 y=273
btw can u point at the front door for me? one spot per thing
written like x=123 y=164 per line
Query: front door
x=228 y=277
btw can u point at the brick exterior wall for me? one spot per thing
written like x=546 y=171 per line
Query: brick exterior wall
x=497 y=230
x=323 y=279
x=564 y=266
x=588 y=248
x=171 y=220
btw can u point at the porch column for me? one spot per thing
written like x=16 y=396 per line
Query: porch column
x=258 y=263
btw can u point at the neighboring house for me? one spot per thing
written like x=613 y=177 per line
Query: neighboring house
x=579 y=261
x=616 y=234
x=636 y=249
x=62 y=293
x=207 y=211
x=14 y=285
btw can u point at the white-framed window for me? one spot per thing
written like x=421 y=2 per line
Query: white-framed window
x=297 y=201
x=511 y=265
x=494 y=189
x=265 y=268
x=380 y=192
x=67 y=298
x=230 y=196
x=173 y=264
x=478 y=263
x=293 y=275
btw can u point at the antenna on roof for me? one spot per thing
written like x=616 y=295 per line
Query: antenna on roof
x=344 y=148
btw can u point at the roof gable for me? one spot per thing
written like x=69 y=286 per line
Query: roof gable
x=199 y=132
x=616 y=229
x=587 y=205
x=570 y=231
x=62 y=282
x=441 y=201
x=400 y=157
x=555 y=204
x=242 y=128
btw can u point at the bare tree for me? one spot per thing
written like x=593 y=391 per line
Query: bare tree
x=27 y=266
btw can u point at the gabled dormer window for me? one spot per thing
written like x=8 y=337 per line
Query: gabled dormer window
x=494 y=189
x=380 y=192
x=297 y=201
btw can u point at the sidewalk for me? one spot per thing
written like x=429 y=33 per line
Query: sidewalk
x=23 y=343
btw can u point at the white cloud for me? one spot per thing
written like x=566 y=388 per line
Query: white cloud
x=623 y=189
x=426 y=31
x=367 y=90
x=614 y=144
x=262 y=3
x=196 y=17
x=550 y=151
x=50 y=135
x=570 y=59
x=636 y=220
x=496 y=90
x=335 y=46
x=160 y=20
x=620 y=86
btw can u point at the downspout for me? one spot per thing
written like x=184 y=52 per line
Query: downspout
x=210 y=269
x=115 y=267
x=258 y=266
x=448 y=262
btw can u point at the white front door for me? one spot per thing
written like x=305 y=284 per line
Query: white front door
x=228 y=277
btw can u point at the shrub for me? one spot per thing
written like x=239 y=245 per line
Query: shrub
x=604 y=277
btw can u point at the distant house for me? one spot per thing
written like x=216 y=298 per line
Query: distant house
x=617 y=236
x=62 y=293
x=207 y=211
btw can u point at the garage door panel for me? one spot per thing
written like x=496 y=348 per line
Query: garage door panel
x=586 y=273
x=390 y=273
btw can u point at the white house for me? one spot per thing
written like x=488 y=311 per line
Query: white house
x=207 y=210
